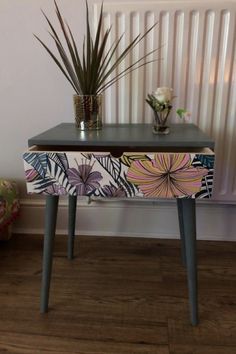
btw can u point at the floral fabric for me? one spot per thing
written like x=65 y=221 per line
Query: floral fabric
x=152 y=175
x=9 y=203
x=167 y=176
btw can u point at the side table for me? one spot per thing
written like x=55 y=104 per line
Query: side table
x=121 y=161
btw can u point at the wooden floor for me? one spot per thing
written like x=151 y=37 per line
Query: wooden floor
x=118 y=296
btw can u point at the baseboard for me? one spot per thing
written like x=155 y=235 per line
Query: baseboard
x=155 y=219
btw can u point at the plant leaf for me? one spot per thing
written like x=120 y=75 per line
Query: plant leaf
x=105 y=73
x=94 y=58
x=128 y=49
x=127 y=71
x=89 y=72
x=96 y=67
x=57 y=62
x=63 y=56
x=80 y=69
x=108 y=57
x=69 y=44
x=67 y=63
x=88 y=44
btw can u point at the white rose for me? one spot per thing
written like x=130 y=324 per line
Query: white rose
x=163 y=94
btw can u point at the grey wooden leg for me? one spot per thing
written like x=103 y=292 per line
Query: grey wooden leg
x=181 y=229
x=71 y=225
x=189 y=218
x=50 y=227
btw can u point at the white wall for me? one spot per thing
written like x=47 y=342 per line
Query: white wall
x=34 y=96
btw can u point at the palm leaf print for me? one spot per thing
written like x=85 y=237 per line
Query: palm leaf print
x=42 y=183
x=130 y=188
x=127 y=159
x=38 y=161
x=207 y=181
x=58 y=173
x=114 y=167
x=110 y=164
x=87 y=155
x=60 y=159
x=206 y=160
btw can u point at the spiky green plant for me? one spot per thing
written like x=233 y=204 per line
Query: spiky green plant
x=95 y=70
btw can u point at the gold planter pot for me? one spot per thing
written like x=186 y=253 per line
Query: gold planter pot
x=88 y=111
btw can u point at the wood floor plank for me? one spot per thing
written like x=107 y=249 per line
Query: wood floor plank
x=82 y=329
x=207 y=349
x=134 y=298
x=219 y=332
x=118 y=296
x=13 y=343
x=85 y=323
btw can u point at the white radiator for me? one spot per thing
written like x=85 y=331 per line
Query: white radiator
x=197 y=54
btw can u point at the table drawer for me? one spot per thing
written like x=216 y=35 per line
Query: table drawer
x=160 y=174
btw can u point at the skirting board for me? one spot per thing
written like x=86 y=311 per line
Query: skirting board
x=131 y=218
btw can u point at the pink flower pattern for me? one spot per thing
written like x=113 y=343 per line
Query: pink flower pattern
x=166 y=176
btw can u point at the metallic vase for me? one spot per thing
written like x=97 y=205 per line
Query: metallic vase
x=88 y=111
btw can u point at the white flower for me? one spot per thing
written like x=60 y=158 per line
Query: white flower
x=163 y=94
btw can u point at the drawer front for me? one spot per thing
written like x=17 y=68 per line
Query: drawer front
x=99 y=174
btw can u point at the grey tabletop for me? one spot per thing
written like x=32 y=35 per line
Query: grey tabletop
x=123 y=135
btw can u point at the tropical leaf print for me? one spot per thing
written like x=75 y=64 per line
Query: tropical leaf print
x=31 y=175
x=207 y=181
x=60 y=159
x=38 y=161
x=148 y=175
x=206 y=160
x=207 y=186
x=117 y=170
x=127 y=159
x=130 y=188
x=87 y=155
x=111 y=191
x=41 y=184
x=56 y=170
x=55 y=189
x=110 y=164
x=48 y=169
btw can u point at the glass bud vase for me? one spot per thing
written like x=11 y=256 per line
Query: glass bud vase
x=160 y=123
x=88 y=111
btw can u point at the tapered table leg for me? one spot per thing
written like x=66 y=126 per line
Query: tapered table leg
x=50 y=227
x=71 y=225
x=181 y=229
x=189 y=223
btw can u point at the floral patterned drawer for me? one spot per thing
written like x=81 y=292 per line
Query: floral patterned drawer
x=99 y=174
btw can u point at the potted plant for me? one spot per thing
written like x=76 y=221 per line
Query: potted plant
x=92 y=72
